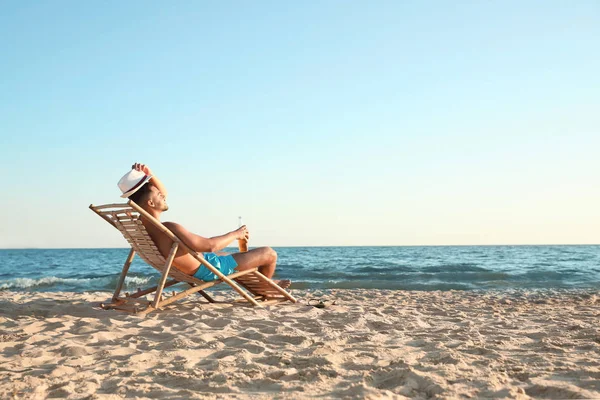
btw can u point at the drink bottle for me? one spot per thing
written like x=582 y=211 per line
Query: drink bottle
x=242 y=243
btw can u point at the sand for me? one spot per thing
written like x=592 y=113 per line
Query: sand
x=371 y=344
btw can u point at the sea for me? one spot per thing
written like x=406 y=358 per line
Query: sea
x=396 y=268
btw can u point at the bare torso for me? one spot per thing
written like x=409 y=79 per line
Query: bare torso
x=183 y=260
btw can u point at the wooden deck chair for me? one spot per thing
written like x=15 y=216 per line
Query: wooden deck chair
x=125 y=217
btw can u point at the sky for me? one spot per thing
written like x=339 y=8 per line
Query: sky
x=321 y=123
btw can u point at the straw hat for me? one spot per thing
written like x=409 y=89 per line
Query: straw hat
x=132 y=181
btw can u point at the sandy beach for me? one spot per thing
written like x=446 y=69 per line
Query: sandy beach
x=370 y=344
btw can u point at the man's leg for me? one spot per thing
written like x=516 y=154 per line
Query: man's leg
x=263 y=258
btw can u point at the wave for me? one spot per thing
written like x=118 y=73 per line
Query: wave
x=92 y=283
x=460 y=267
x=381 y=269
x=381 y=284
x=25 y=283
x=340 y=282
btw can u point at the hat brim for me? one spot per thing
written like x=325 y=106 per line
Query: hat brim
x=139 y=186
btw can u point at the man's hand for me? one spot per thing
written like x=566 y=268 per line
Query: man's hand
x=142 y=167
x=155 y=181
x=242 y=233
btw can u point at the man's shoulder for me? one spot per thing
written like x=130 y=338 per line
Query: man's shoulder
x=171 y=224
x=175 y=227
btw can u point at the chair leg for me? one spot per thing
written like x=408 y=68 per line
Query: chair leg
x=124 y=274
x=206 y=296
x=165 y=275
x=153 y=289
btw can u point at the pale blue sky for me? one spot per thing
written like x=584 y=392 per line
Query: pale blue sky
x=321 y=123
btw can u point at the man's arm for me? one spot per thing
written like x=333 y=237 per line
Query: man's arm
x=155 y=181
x=202 y=244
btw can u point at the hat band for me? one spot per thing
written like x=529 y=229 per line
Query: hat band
x=137 y=185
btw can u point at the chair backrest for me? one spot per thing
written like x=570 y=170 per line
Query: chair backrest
x=127 y=220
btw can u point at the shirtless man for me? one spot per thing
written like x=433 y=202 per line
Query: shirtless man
x=151 y=196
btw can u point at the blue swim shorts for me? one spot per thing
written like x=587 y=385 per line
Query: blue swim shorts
x=225 y=264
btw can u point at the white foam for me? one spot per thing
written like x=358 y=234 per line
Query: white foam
x=137 y=280
x=24 y=283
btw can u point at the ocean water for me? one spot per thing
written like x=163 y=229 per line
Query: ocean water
x=404 y=268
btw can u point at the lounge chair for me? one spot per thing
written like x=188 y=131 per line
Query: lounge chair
x=254 y=287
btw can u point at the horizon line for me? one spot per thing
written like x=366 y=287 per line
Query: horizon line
x=300 y=246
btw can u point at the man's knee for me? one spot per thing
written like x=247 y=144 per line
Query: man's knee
x=270 y=254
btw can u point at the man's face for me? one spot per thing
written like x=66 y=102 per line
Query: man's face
x=157 y=199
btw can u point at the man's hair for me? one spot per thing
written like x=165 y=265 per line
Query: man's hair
x=141 y=195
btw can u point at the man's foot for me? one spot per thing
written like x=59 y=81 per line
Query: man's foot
x=284 y=283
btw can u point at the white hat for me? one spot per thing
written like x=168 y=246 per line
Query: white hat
x=132 y=181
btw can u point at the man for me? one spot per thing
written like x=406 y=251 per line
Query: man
x=145 y=189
